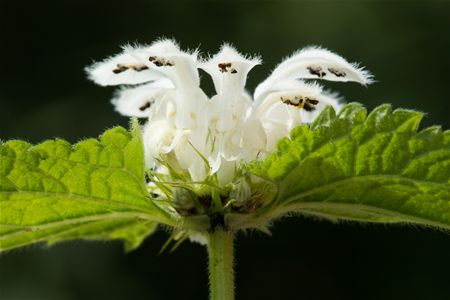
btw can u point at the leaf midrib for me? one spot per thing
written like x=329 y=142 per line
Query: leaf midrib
x=50 y=225
x=335 y=184
x=305 y=207
x=77 y=196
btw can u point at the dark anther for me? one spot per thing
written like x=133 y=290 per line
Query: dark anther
x=216 y=219
x=145 y=106
x=300 y=100
x=310 y=104
x=160 y=61
x=312 y=101
x=316 y=70
x=233 y=71
x=337 y=72
x=297 y=102
x=308 y=107
x=139 y=68
x=120 y=68
x=223 y=67
x=285 y=100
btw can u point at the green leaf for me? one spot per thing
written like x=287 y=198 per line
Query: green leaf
x=371 y=169
x=93 y=190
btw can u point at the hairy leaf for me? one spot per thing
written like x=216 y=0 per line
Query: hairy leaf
x=372 y=169
x=93 y=190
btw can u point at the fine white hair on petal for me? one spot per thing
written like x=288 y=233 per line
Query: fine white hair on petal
x=121 y=69
x=161 y=46
x=229 y=53
x=137 y=101
x=229 y=67
x=315 y=63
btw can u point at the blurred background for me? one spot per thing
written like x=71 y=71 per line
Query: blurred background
x=44 y=94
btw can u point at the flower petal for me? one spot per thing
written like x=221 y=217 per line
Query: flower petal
x=189 y=133
x=158 y=139
x=121 y=69
x=290 y=103
x=136 y=102
x=190 y=149
x=286 y=89
x=229 y=69
x=180 y=67
x=254 y=140
x=166 y=57
x=314 y=63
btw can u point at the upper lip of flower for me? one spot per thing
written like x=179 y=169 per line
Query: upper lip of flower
x=218 y=128
x=229 y=69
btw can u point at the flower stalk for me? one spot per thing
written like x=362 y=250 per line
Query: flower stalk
x=221 y=275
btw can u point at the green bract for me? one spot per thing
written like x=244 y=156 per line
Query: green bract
x=350 y=167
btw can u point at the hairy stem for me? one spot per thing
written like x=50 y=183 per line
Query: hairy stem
x=221 y=276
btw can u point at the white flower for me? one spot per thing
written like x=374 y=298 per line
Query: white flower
x=202 y=136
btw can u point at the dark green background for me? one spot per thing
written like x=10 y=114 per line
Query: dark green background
x=44 y=94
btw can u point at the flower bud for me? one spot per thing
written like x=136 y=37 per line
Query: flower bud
x=184 y=200
x=240 y=192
